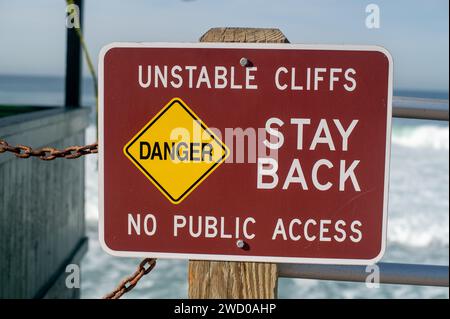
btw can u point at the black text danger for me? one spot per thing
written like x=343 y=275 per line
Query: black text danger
x=181 y=151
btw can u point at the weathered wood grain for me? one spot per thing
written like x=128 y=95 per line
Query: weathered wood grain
x=232 y=280
x=41 y=203
x=235 y=280
x=251 y=35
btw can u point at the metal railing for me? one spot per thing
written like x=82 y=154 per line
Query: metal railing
x=423 y=109
x=389 y=273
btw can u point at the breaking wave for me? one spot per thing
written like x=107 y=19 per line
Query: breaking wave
x=423 y=136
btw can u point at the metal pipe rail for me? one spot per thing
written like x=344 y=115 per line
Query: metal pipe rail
x=417 y=108
x=390 y=273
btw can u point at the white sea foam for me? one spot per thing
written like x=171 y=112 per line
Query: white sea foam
x=425 y=136
x=418 y=231
x=91 y=179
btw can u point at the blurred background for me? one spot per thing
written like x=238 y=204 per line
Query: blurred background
x=32 y=68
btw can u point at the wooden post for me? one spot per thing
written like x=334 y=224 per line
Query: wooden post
x=235 y=280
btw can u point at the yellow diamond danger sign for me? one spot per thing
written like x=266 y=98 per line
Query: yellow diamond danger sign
x=176 y=151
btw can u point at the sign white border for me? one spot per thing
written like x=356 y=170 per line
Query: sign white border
x=261 y=46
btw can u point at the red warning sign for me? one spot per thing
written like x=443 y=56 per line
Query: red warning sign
x=250 y=152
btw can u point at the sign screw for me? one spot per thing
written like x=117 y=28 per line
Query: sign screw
x=244 y=61
x=240 y=243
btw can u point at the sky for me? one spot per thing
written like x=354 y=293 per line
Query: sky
x=32 y=32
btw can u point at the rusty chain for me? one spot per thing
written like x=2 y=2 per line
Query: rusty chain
x=48 y=153
x=72 y=152
x=145 y=266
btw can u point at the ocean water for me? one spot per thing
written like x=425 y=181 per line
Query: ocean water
x=418 y=220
